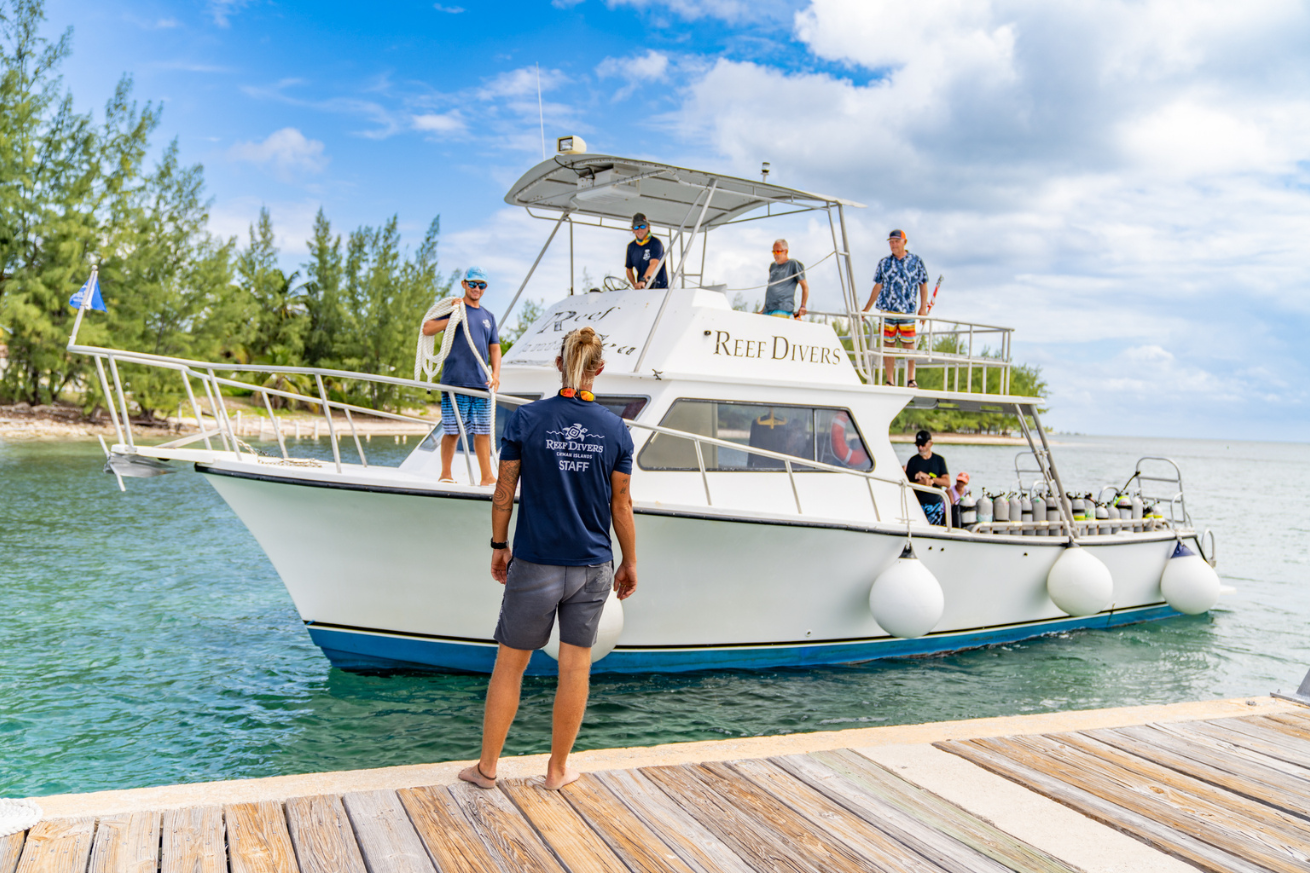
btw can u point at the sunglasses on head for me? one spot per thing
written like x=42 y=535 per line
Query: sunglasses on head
x=481 y=286
x=639 y=227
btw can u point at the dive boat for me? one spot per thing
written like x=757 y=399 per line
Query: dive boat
x=775 y=525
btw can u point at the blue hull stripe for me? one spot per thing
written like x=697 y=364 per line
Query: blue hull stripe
x=371 y=650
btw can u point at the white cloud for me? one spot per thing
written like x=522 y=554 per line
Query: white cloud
x=521 y=83
x=637 y=70
x=440 y=122
x=287 y=151
x=728 y=10
x=1131 y=174
x=223 y=10
x=450 y=10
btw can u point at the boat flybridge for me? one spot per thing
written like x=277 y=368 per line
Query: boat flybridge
x=775 y=525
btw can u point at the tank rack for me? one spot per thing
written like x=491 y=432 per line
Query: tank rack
x=1084 y=528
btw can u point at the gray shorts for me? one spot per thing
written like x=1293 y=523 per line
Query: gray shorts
x=535 y=592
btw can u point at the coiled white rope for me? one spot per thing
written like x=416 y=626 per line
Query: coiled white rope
x=428 y=359
x=17 y=815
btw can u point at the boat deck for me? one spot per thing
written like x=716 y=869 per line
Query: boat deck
x=1220 y=794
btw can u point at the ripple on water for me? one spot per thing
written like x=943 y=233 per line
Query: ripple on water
x=148 y=641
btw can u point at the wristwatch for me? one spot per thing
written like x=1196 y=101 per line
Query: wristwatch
x=496 y=545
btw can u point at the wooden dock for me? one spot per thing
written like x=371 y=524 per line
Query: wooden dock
x=1226 y=794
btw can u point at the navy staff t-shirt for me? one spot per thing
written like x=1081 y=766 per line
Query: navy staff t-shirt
x=461 y=369
x=568 y=449
x=641 y=254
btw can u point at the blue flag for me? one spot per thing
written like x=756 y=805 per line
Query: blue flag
x=97 y=302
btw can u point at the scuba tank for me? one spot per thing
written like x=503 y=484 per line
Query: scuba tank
x=1038 y=514
x=1078 y=508
x=1125 y=506
x=1138 y=508
x=983 y=509
x=1103 y=513
x=1001 y=508
x=968 y=511
x=1053 y=516
x=1026 y=514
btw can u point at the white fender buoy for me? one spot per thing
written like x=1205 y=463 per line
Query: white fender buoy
x=607 y=634
x=1188 y=583
x=906 y=599
x=1079 y=583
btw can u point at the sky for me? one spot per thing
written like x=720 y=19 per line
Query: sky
x=1127 y=184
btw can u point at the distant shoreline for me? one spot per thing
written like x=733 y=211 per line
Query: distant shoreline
x=965 y=439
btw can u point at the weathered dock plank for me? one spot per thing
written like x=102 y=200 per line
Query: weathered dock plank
x=1240 y=806
x=884 y=853
x=627 y=836
x=693 y=843
x=505 y=832
x=127 y=843
x=322 y=836
x=577 y=846
x=945 y=852
x=1288 y=723
x=1181 y=845
x=941 y=815
x=386 y=837
x=59 y=846
x=450 y=839
x=1229 y=773
x=1225 y=748
x=192 y=841
x=761 y=830
x=11 y=849
x=1215 y=823
x=1258 y=738
x=258 y=840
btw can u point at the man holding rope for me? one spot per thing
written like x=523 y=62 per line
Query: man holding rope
x=463 y=370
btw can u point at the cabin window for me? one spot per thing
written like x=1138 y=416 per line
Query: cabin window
x=624 y=406
x=821 y=434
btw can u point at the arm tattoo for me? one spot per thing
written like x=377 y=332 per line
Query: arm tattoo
x=503 y=499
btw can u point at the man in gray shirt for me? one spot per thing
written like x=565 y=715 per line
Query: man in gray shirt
x=784 y=275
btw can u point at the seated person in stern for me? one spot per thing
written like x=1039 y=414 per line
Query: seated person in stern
x=926 y=468
x=784 y=275
x=462 y=370
x=645 y=263
x=958 y=492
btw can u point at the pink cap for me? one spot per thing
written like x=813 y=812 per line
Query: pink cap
x=962 y=477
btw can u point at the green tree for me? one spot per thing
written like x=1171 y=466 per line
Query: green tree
x=323 y=274
x=279 y=317
x=528 y=313
x=385 y=296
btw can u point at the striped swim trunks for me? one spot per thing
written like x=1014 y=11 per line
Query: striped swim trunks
x=474 y=411
x=898 y=327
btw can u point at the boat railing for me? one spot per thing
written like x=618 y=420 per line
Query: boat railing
x=967 y=353
x=1171 y=476
x=206 y=374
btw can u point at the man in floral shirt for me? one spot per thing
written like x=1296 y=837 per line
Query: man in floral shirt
x=900 y=284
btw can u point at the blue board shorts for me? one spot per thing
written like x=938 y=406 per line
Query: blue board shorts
x=535 y=593
x=474 y=411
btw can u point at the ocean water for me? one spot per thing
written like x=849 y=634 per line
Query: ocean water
x=146 y=640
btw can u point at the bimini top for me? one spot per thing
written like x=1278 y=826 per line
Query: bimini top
x=612 y=187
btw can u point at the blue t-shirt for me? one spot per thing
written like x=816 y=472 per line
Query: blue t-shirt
x=641 y=254
x=900 y=279
x=568 y=449
x=461 y=369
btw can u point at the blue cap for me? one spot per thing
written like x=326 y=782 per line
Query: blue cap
x=475 y=274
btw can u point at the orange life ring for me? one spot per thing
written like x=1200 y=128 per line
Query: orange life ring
x=850 y=455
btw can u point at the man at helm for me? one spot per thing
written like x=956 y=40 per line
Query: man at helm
x=900 y=284
x=645 y=262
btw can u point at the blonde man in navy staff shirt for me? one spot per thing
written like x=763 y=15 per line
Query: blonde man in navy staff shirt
x=462 y=370
x=645 y=262
x=573 y=458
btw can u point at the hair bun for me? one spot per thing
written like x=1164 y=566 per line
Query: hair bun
x=586 y=332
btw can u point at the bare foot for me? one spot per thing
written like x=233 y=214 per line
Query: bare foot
x=485 y=482
x=555 y=783
x=474 y=775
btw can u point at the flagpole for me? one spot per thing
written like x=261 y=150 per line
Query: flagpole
x=88 y=291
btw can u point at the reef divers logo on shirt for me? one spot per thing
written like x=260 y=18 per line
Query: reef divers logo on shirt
x=573 y=447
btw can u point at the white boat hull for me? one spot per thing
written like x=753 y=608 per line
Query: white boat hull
x=389 y=577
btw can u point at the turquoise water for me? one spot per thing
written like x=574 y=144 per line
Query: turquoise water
x=146 y=639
